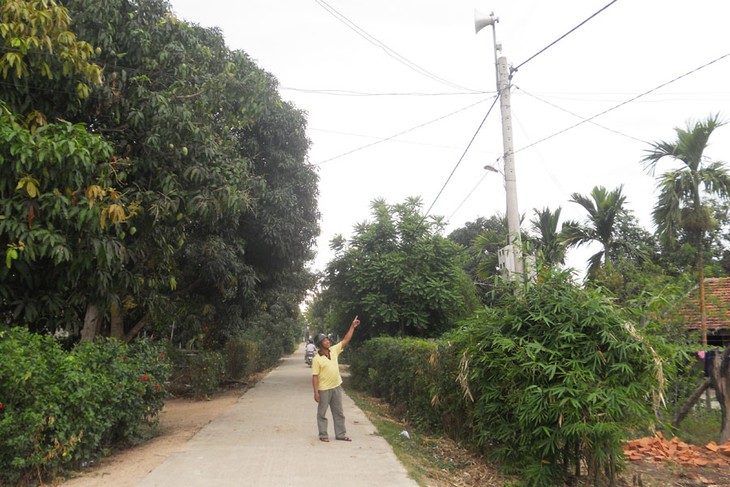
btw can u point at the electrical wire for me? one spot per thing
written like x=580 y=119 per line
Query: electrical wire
x=390 y=52
x=512 y=70
x=626 y=102
x=400 y=141
x=484 y=176
x=580 y=117
x=462 y=157
x=360 y=93
x=380 y=141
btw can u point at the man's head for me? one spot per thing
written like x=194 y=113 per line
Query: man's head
x=322 y=341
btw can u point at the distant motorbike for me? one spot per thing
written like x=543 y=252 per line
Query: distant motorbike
x=308 y=356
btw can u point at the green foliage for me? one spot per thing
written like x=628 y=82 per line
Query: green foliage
x=199 y=372
x=701 y=425
x=242 y=357
x=604 y=208
x=37 y=42
x=398 y=275
x=62 y=408
x=209 y=157
x=556 y=373
x=60 y=227
x=482 y=240
x=401 y=371
x=680 y=209
x=549 y=247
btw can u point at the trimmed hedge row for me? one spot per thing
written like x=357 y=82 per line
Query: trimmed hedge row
x=61 y=408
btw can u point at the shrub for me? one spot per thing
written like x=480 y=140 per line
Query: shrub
x=61 y=408
x=198 y=371
x=401 y=372
x=242 y=358
x=557 y=374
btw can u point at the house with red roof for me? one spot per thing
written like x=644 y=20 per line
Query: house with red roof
x=717 y=311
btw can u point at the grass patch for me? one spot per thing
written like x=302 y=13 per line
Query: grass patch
x=431 y=460
x=701 y=426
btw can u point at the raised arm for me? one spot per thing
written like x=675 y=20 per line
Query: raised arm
x=349 y=333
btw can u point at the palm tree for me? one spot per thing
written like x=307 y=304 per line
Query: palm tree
x=548 y=242
x=679 y=207
x=604 y=209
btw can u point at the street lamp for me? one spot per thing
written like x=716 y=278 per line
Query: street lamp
x=511 y=261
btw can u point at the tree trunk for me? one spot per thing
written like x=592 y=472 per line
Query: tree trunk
x=117 y=322
x=701 y=283
x=92 y=323
x=687 y=407
x=136 y=329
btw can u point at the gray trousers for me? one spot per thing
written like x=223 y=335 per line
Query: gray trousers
x=331 y=398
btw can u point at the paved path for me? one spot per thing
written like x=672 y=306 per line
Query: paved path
x=269 y=438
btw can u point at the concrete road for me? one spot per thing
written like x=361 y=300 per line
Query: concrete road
x=269 y=438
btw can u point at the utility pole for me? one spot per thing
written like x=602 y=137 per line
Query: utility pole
x=511 y=261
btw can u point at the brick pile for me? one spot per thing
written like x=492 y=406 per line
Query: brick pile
x=659 y=449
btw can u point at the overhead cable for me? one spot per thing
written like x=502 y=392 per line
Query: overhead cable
x=624 y=103
x=380 y=141
x=360 y=93
x=462 y=156
x=390 y=52
x=512 y=70
x=484 y=176
x=580 y=117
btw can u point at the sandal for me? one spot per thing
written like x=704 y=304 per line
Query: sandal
x=324 y=438
x=345 y=438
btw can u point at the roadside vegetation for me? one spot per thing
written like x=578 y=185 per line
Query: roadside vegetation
x=157 y=215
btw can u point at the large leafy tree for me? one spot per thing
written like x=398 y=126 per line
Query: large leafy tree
x=680 y=207
x=482 y=239
x=214 y=161
x=62 y=220
x=217 y=162
x=59 y=227
x=399 y=275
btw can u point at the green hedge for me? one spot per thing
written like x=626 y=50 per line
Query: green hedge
x=549 y=381
x=401 y=372
x=59 y=409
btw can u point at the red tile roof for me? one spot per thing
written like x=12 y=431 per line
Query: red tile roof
x=717 y=305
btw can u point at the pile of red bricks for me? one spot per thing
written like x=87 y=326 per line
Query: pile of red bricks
x=659 y=449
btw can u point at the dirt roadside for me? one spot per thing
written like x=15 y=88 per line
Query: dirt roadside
x=180 y=419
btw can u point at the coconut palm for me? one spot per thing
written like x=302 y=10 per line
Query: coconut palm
x=548 y=242
x=679 y=207
x=604 y=210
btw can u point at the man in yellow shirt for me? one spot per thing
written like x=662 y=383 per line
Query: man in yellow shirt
x=326 y=381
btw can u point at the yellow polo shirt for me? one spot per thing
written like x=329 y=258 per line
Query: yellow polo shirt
x=328 y=369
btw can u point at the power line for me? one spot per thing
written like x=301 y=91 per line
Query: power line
x=390 y=52
x=462 y=156
x=380 y=141
x=580 y=117
x=484 y=176
x=400 y=141
x=624 y=102
x=512 y=70
x=360 y=93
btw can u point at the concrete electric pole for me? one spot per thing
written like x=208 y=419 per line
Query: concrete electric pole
x=511 y=261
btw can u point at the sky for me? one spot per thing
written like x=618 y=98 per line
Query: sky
x=398 y=94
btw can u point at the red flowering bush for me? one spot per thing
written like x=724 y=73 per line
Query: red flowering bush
x=61 y=408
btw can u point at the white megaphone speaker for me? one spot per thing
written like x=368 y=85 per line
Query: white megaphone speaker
x=482 y=20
